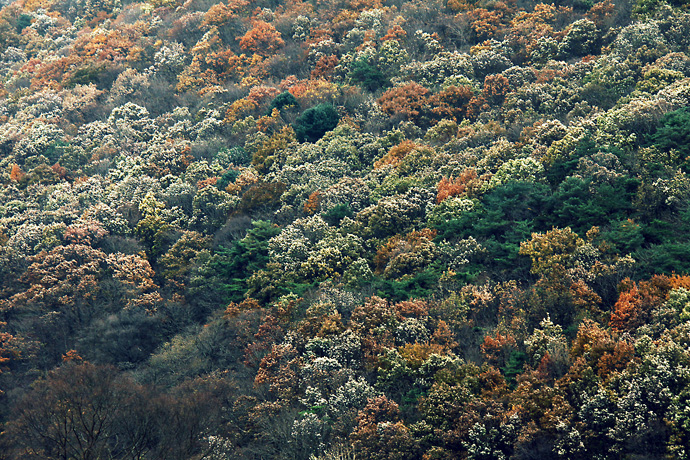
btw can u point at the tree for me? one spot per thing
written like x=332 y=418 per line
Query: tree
x=379 y=435
x=368 y=75
x=267 y=149
x=582 y=203
x=83 y=411
x=637 y=301
x=410 y=101
x=403 y=256
x=316 y=121
x=211 y=208
x=503 y=218
x=16 y=174
x=177 y=262
x=262 y=38
x=449 y=187
x=152 y=229
x=484 y=23
x=452 y=103
x=495 y=88
x=673 y=134
x=553 y=248
x=14 y=349
x=324 y=67
x=284 y=101
x=396 y=154
x=394 y=214
x=64 y=279
x=582 y=39
x=230 y=267
x=280 y=370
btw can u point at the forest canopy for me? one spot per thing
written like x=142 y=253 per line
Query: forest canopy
x=372 y=229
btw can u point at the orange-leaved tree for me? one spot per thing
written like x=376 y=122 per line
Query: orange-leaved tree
x=411 y=101
x=262 y=39
x=637 y=300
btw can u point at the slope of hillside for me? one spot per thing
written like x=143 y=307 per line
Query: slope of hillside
x=344 y=229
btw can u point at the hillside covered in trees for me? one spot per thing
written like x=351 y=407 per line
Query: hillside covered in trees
x=338 y=229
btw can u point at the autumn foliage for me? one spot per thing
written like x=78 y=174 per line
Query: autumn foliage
x=302 y=230
x=448 y=187
x=262 y=39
